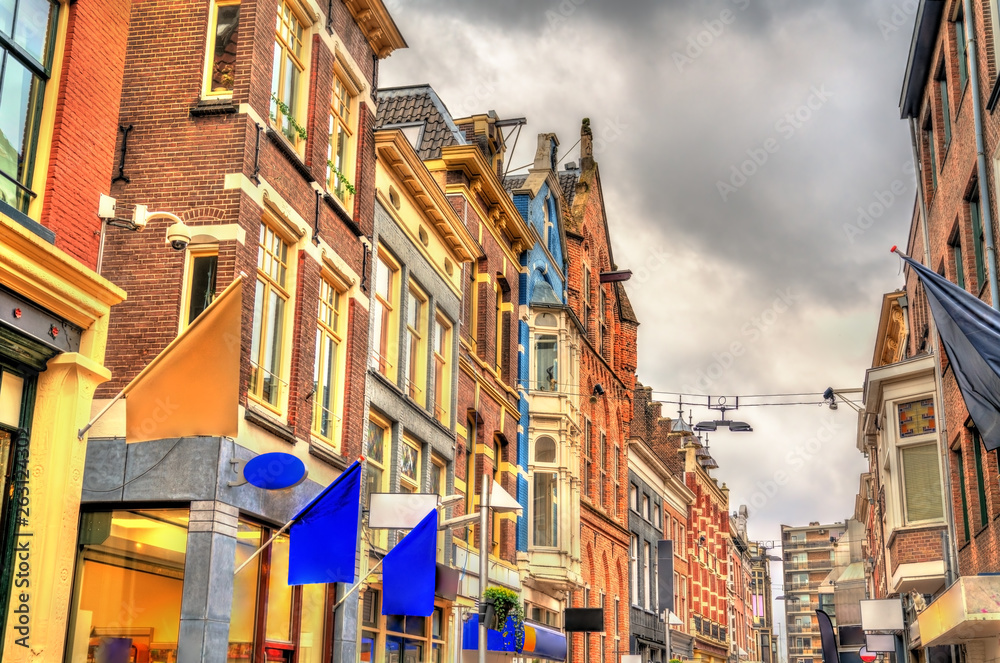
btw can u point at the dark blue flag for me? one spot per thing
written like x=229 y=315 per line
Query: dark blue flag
x=409 y=570
x=970 y=331
x=827 y=638
x=323 y=540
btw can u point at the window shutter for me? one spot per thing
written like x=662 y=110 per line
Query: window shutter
x=921 y=483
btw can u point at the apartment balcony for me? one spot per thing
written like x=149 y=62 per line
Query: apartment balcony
x=801 y=608
x=966 y=611
x=805 y=545
x=796 y=628
x=805 y=651
x=820 y=565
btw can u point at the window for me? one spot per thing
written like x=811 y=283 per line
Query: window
x=602 y=459
x=921 y=477
x=27 y=41
x=130 y=579
x=980 y=479
x=930 y=146
x=498 y=456
x=978 y=240
x=376 y=478
x=633 y=497
x=200 y=284
x=942 y=80
x=385 y=312
x=586 y=298
x=587 y=459
x=409 y=466
x=656 y=515
x=963 y=52
x=647 y=575
x=633 y=562
x=470 y=302
x=269 y=319
x=224 y=26
x=500 y=360
x=645 y=506
x=546 y=362
x=288 y=75
x=439 y=477
x=392 y=638
x=416 y=344
x=442 y=370
x=545 y=450
x=602 y=316
x=340 y=152
x=956 y=252
x=328 y=371
x=615 y=471
x=290 y=618
x=546 y=509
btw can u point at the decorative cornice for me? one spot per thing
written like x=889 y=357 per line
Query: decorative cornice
x=377 y=24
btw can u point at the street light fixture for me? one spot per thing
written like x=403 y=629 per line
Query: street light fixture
x=733 y=426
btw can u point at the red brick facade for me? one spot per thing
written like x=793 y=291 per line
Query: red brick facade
x=86 y=124
x=949 y=223
x=608 y=359
x=207 y=161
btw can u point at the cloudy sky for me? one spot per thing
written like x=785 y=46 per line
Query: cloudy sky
x=737 y=140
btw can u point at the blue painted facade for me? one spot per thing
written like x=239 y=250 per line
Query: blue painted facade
x=540 y=280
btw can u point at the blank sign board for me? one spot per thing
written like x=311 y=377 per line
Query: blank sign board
x=399 y=510
x=882 y=615
x=878 y=642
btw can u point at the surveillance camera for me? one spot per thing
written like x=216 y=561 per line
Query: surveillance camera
x=179 y=236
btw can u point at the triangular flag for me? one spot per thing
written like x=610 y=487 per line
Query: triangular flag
x=192 y=387
x=409 y=571
x=324 y=538
x=970 y=331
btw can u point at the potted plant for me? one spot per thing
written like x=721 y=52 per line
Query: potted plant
x=508 y=613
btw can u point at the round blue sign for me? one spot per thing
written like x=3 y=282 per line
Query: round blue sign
x=274 y=471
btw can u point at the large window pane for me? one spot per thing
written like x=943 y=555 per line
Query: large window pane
x=921 y=482
x=224 y=42
x=32 y=29
x=130 y=578
x=241 y=625
x=20 y=105
x=311 y=629
x=546 y=509
x=278 y=624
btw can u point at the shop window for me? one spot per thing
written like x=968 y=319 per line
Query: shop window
x=442 y=370
x=341 y=150
x=399 y=639
x=129 y=583
x=385 y=312
x=288 y=79
x=271 y=620
x=223 y=37
x=328 y=373
x=203 y=265
x=27 y=42
x=546 y=362
x=271 y=303
x=416 y=344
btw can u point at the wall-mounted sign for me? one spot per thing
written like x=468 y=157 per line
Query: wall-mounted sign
x=275 y=471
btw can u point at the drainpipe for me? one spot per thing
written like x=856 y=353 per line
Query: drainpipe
x=977 y=115
x=950 y=552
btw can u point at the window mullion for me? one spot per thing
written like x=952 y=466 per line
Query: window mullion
x=24 y=57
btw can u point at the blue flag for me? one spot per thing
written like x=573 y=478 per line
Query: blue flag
x=970 y=331
x=409 y=571
x=323 y=540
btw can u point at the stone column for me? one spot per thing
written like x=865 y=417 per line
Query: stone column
x=208 y=583
x=55 y=481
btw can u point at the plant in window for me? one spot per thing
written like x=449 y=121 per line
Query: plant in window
x=287 y=114
x=341 y=178
x=506 y=603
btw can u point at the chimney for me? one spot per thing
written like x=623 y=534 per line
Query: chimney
x=586 y=145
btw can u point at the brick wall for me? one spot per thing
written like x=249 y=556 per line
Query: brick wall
x=86 y=124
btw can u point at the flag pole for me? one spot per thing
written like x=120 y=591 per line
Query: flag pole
x=357 y=584
x=104 y=410
x=297 y=516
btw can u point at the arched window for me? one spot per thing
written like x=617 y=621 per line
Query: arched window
x=545 y=450
x=546 y=320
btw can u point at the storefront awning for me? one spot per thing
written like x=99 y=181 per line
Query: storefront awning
x=965 y=611
x=539 y=641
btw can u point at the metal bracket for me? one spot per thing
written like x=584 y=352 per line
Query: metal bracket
x=238 y=469
x=121 y=162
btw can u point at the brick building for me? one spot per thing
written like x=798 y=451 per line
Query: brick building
x=658 y=511
x=249 y=127
x=743 y=644
x=949 y=100
x=760 y=588
x=808 y=560
x=708 y=555
x=607 y=329
x=549 y=437
x=60 y=85
x=466 y=158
